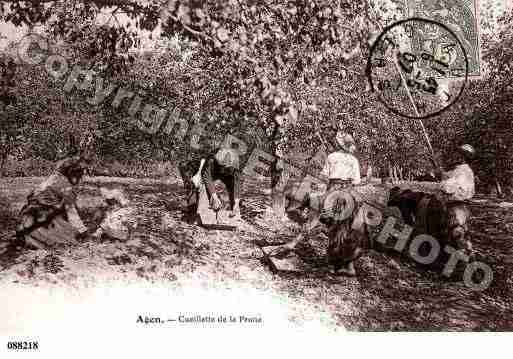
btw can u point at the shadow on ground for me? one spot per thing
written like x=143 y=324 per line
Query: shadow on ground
x=389 y=293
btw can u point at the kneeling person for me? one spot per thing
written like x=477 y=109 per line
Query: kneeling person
x=50 y=215
x=458 y=185
x=443 y=215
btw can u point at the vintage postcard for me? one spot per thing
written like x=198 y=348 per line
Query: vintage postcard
x=255 y=178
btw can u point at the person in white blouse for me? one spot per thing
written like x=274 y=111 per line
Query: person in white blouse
x=458 y=183
x=342 y=169
x=342 y=166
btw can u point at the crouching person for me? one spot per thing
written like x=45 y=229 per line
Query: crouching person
x=50 y=216
x=458 y=186
x=443 y=215
x=190 y=171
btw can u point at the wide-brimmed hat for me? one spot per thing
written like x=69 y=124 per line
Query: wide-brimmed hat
x=345 y=141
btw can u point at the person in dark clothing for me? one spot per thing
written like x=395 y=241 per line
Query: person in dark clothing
x=50 y=215
x=222 y=166
x=406 y=201
x=187 y=171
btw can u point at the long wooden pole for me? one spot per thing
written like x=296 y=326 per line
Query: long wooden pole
x=403 y=80
x=413 y=104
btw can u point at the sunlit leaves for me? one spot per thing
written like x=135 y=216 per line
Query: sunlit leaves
x=267 y=37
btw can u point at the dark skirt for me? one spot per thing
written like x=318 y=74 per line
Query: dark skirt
x=43 y=221
x=40 y=210
x=343 y=241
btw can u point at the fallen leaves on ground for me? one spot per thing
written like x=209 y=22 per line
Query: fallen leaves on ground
x=389 y=293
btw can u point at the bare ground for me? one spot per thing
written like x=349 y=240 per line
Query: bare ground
x=390 y=292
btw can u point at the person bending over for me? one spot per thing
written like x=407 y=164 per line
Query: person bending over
x=223 y=166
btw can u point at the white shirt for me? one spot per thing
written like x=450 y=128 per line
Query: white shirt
x=344 y=166
x=459 y=183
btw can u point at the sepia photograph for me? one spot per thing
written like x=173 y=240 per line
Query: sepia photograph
x=244 y=177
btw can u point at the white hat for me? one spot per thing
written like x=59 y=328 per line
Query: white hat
x=467 y=150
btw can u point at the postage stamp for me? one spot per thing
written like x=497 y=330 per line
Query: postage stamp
x=461 y=16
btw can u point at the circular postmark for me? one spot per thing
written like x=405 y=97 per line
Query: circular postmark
x=419 y=68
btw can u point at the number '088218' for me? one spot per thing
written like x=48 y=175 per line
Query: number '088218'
x=23 y=345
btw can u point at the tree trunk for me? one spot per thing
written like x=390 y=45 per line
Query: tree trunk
x=277 y=190
x=277 y=172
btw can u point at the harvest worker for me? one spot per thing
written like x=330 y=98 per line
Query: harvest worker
x=223 y=166
x=343 y=171
x=458 y=185
x=445 y=214
x=50 y=215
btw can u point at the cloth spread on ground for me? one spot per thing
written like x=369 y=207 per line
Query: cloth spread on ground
x=118 y=223
x=120 y=218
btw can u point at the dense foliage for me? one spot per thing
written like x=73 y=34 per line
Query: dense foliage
x=276 y=74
